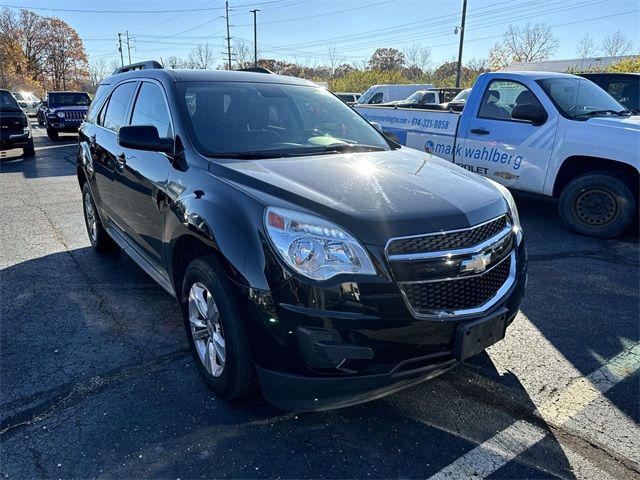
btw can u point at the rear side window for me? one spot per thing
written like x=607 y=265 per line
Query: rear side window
x=116 y=110
x=150 y=109
x=101 y=92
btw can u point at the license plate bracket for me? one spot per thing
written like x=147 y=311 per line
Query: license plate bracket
x=473 y=337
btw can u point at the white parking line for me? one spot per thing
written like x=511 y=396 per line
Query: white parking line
x=37 y=149
x=521 y=435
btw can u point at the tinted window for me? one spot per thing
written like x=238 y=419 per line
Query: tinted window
x=502 y=96
x=626 y=91
x=151 y=109
x=117 y=107
x=101 y=92
x=254 y=117
x=68 y=99
x=377 y=98
x=7 y=101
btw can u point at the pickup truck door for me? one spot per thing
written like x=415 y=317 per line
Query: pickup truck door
x=513 y=152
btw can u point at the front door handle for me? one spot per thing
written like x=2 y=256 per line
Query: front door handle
x=480 y=131
x=121 y=161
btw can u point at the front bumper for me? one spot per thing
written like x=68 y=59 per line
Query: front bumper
x=11 y=140
x=68 y=127
x=364 y=341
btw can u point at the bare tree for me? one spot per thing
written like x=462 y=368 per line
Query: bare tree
x=616 y=45
x=586 y=47
x=386 y=59
x=417 y=56
x=533 y=42
x=477 y=66
x=97 y=71
x=334 y=59
x=243 y=53
x=201 y=57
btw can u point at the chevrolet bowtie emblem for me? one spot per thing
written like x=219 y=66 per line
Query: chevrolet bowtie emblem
x=477 y=264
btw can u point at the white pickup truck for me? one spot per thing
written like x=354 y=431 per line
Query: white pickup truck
x=555 y=134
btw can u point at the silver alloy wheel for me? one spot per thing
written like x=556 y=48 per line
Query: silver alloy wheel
x=90 y=215
x=206 y=329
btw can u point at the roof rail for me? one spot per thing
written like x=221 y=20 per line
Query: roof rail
x=255 y=70
x=150 y=64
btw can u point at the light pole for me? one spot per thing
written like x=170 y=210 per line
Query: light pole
x=255 y=38
x=464 y=16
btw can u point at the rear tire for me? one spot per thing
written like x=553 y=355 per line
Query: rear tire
x=597 y=205
x=52 y=134
x=98 y=236
x=29 y=150
x=216 y=331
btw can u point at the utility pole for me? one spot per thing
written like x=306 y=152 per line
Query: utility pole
x=226 y=7
x=120 y=49
x=464 y=16
x=255 y=38
x=128 y=46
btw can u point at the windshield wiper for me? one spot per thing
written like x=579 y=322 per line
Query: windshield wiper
x=247 y=155
x=351 y=147
x=594 y=113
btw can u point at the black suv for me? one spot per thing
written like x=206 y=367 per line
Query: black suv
x=306 y=250
x=15 y=130
x=63 y=112
x=624 y=87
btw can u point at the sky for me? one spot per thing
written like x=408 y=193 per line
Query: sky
x=307 y=30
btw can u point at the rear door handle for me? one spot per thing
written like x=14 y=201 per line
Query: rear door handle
x=480 y=131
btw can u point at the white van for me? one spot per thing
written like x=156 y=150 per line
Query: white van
x=388 y=93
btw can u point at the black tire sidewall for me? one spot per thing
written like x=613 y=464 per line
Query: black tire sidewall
x=103 y=242
x=236 y=378
x=626 y=204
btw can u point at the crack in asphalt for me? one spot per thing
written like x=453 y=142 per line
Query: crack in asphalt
x=75 y=392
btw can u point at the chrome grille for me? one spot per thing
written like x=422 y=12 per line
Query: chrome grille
x=74 y=115
x=436 y=242
x=457 y=294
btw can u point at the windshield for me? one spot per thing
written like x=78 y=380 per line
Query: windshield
x=68 y=99
x=462 y=96
x=227 y=118
x=8 y=101
x=579 y=97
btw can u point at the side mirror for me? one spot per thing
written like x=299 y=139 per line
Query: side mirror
x=377 y=126
x=529 y=113
x=144 y=137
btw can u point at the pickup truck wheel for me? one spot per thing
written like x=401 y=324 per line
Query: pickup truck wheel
x=52 y=134
x=597 y=205
x=29 y=150
x=215 y=329
x=98 y=236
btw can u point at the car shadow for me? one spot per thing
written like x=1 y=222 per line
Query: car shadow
x=133 y=404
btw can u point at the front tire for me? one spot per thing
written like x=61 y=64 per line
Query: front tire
x=597 y=205
x=216 y=331
x=98 y=236
x=52 y=134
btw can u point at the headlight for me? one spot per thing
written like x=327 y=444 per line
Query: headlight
x=513 y=210
x=60 y=115
x=313 y=247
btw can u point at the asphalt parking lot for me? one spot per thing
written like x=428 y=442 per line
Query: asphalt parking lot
x=96 y=379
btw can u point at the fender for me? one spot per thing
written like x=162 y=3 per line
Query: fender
x=224 y=219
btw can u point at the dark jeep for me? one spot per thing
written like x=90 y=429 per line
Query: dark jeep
x=63 y=112
x=15 y=131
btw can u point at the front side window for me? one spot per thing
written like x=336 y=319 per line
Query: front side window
x=115 y=111
x=68 y=99
x=502 y=96
x=272 y=119
x=579 y=98
x=150 y=109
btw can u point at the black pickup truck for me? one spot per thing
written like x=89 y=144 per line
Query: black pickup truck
x=307 y=251
x=63 y=112
x=15 y=130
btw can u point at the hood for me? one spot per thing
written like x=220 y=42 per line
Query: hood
x=630 y=123
x=72 y=108
x=374 y=195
